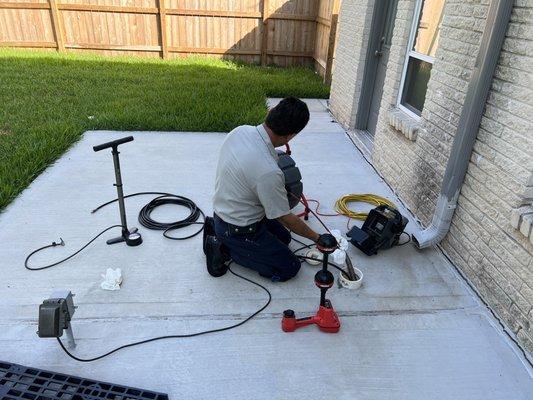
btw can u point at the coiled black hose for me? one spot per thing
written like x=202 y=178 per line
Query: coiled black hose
x=144 y=219
x=147 y=221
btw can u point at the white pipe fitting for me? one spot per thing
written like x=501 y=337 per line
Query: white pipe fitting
x=315 y=255
x=349 y=284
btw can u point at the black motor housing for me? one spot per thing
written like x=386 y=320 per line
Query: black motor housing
x=293 y=178
x=381 y=230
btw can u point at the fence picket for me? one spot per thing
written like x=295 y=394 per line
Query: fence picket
x=57 y=25
x=163 y=28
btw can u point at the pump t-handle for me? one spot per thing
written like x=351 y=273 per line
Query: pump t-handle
x=113 y=143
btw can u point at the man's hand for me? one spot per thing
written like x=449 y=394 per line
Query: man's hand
x=296 y=225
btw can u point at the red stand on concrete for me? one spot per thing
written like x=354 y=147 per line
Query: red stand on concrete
x=326 y=318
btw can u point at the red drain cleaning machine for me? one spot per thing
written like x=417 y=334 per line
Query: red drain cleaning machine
x=326 y=318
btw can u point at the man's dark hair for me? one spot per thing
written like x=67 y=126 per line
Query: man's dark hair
x=290 y=116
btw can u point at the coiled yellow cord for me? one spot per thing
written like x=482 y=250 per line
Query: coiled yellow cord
x=341 y=205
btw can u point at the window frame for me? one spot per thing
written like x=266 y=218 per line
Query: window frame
x=412 y=53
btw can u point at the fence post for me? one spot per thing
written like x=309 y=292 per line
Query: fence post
x=163 y=28
x=264 y=38
x=56 y=23
x=331 y=43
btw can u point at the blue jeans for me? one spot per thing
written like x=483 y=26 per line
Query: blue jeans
x=265 y=251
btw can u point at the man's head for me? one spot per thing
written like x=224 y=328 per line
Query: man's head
x=287 y=119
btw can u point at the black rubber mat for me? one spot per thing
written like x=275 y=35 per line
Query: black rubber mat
x=19 y=382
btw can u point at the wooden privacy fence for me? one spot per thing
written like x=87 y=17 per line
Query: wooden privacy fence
x=280 y=32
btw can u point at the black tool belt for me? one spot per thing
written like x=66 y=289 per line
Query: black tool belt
x=235 y=230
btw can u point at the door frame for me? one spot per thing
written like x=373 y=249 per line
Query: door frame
x=379 y=19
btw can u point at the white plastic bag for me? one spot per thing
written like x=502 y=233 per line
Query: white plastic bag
x=112 y=279
x=339 y=255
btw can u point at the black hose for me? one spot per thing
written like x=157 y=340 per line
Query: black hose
x=308 y=245
x=409 y=238
x=144 y=219
x=163 y=198
x=329 y=263
x=62 y=243
x=186 y=335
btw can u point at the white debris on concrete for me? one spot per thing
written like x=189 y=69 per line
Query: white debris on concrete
x=112 y=279
x=413 y=330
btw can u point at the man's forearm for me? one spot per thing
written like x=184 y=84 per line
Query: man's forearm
x=296 y=225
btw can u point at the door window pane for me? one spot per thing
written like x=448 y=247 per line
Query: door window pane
x=427 y=33
x=415 y=86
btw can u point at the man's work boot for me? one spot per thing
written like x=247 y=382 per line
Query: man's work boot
x=215 y=257
x=209 y=230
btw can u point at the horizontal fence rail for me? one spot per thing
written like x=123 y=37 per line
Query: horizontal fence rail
x=278 y=32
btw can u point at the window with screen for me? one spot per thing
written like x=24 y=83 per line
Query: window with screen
x=420 y=57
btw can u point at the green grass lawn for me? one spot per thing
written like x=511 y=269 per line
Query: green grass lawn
x=48 y=100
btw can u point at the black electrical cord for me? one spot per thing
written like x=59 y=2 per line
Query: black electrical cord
x=62 y=243
x=407 y=241
x=329 y=263
x=163 y=198
x=302 y=243
x=301 y=248
x=144 y=219
x=187 y=335
x=309 y=246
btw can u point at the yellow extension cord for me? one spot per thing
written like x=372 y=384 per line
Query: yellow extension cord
x=341 y=205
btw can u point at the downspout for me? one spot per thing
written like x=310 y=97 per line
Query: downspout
x=491 y=42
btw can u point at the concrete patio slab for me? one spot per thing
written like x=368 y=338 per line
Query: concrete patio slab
x=413 y=331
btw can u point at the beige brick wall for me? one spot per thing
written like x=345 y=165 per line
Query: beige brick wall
x=496 y=258
x=355 y=18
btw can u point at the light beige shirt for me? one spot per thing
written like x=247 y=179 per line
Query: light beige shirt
x=249 y=184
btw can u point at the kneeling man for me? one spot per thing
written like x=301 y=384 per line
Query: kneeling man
x=252 y=220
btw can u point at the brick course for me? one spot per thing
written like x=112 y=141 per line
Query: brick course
x=355 y=18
